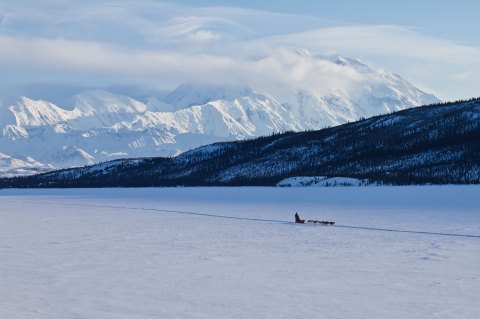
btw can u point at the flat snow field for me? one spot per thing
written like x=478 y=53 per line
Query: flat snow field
x=397 y=252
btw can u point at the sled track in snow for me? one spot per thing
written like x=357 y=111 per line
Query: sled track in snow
x=408 y=231
x=176 y=212
x=267 y=220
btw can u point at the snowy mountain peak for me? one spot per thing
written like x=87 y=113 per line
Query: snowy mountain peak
x=99 y=125
x=190 y=94
x=102 y=101
x=23 y=111
x=345 y=61
x=71 y=156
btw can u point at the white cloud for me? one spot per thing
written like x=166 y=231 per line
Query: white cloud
x=203 y=35
x=284 y=68
x=157 y=43
x=383 y=40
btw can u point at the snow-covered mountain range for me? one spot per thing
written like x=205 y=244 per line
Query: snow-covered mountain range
x=432 y=144
x=98 y=125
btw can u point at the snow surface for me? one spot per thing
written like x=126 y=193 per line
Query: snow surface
x=396 y=252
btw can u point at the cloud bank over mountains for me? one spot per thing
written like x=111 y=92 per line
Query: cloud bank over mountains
x=157 y=45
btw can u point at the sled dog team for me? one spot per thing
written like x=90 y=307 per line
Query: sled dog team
x=312 y=221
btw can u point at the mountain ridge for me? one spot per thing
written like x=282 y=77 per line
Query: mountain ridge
x=103 y=125
x=434 y=144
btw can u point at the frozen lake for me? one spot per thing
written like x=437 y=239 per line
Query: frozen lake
x=396 y=252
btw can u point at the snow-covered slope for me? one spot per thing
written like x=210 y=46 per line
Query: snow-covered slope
x=98 y=125
x=10 y=166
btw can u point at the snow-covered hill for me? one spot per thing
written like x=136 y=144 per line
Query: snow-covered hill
x=10 y=166
x=99 y=126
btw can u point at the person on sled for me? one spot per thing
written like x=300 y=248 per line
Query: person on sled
x=298 y=220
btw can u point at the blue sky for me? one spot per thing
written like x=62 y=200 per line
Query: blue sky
x=59 y=45
x=456 y=20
